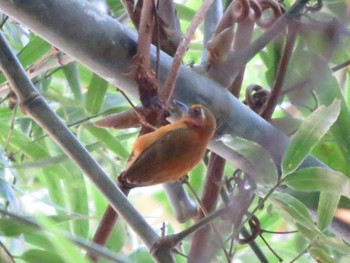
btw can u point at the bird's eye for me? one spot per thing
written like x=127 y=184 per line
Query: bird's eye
x=198 y=112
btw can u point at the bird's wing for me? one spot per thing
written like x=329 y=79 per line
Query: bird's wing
x=144 y=141
x=167 y=156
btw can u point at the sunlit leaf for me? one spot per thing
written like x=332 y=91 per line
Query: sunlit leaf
x=96 y=94
x=64 y=247
x=71 y=72
x=109 y=141
x=320 y=255
x=293 y=209
x=259 y=163
x=308 y=135
x=38 y=255
x=319 y=179
x=327 y=206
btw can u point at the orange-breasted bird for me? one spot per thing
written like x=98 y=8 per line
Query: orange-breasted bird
x=171 y=151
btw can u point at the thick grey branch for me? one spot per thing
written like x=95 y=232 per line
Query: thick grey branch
x=34 y=105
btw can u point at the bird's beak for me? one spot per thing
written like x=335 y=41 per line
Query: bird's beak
x=183 y=107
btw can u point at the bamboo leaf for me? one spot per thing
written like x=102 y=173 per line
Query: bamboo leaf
x=327 y=206
x=96 y=94
x=259 y=162
x=319 y=179
x=308 y=135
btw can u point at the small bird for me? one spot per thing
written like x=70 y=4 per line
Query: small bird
x=171 y=151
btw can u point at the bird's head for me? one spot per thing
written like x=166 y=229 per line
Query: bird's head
x=197 y=117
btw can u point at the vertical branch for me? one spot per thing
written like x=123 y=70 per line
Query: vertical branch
x=211 y=19
x=243 y=36
x=144 y=74
x=147 y=85
x=170 y=82
x=281 y=73
x=199 y=245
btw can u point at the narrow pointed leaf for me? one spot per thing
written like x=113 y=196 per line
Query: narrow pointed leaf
x=96 y=94
x=109 y=141
x=294 y=210
x=258 y=161
x=321 y=255
x=39 y=255
x=316 y=179
x=308 y=135
x=71 y=71
x=327 y=205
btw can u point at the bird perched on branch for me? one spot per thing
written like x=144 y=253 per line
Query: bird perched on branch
x=171 y=151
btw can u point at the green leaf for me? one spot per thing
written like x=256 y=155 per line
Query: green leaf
x=12 y=228
x=321 y=255
x=255 y=159
x=116 y=7
x=64 y=247
x=294 y=210
x=109 y=141
x=96 y=94
x=77 y=199
x=319 y=179
x=196 y=176
x=311 y=66
x=308 y=135
x=38 y=255
x=334 y=243
x=141 y=255
x=71 y=71
x=184 y=12
x=33 y=51
x=327 y=206
x=37 y=151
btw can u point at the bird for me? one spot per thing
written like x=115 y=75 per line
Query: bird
x=170 y=152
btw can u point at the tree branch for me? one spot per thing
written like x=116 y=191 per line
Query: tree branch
x=34 y=105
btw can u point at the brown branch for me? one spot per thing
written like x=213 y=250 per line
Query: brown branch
x=170 y=82
x=145 y=32
x=340 y=66
x=198 y=251
x=109 y=219
x=147 y=85
x=281 y=73
x=167 y=32
x=143 y=73
x=243 y=36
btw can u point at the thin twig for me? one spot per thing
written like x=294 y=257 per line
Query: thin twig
x=301 y=253
x=271 y=249
x=254 y=246
x=211 y=190
x=281 y=73
x=205 y=212
x=145 y=32
x=340 y=66
x=170 y=82
x=4 y=21
x=142 y=120
x=279 y=232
